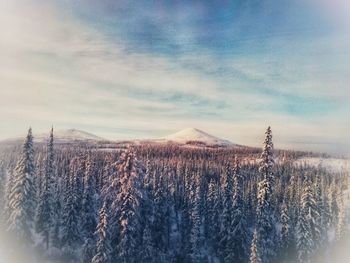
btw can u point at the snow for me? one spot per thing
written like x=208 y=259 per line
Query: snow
x=196 y=135
x=62 y=136
x=331 y=164
x=73 y=134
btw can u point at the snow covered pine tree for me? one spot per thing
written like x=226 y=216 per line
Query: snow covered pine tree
x=265 y=225
x=22 y=195
x=44 y=217
x=103 y=246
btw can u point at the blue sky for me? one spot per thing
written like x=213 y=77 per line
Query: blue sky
x=143 y=69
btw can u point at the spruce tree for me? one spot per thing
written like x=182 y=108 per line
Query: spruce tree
x=239 y=240
x=333 y=204
x=196 y=237
x=226 y=223
x=103 y=246
x=266 y=232
x=304 y=238
x=70 y=232
x=129 y=199
x=22 y=194
x=285 y=238
x=309 y=204
x=44 y=217
x=88 y=219
x=8 y=189
x=341 y=226
x=214 y=220
x=147 y=253
x=267 y=159
x=57 y=193
x=321 y=216
x=305 y=233
x=254 y=249
x=160 y=226
x=109 y=193
x=2 y=187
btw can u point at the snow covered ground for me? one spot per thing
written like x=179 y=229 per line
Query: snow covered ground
x=331 y=164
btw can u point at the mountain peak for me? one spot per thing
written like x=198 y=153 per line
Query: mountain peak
x=72 y=135
x=61 y=136
x=192 y=129
x=195 y=135
x=76 y=134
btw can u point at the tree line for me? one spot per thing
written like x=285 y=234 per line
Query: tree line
x=166 y=203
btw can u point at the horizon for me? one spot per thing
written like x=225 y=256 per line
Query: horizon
x=163 y=136
x=132 y=71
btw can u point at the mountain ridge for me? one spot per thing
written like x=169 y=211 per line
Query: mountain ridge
x=196 y=135
x=61 y=136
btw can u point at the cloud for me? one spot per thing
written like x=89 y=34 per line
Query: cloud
x=56 y=68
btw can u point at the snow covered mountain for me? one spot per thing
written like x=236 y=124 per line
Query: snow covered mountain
x=61 y=136
x=70 y=135
x=193 y=135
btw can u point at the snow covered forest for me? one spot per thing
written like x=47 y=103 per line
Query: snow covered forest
x=166 y=203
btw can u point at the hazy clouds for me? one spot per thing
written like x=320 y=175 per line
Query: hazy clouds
x=61 y=65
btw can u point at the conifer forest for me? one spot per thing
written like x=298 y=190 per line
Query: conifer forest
x=175 y=131
x=156 y=203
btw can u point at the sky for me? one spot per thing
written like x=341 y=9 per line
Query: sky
x=145 y=69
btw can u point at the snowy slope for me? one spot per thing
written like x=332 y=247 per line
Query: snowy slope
x=69 y=135
x=195 y=135
x=62 y=136
x=331 y=164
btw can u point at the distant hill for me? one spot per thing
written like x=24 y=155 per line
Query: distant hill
x=61 y=136
x=196 y=137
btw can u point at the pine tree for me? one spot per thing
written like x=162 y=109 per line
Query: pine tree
x=70 y=225
x=305 y=238
x=2 y=186
x=40 y=167
x=22 y=194
x=226 y=223
x=8 y=189
x=103 y=247
x=110 y=191
x=160 y=225
x=341 y=226
x=88 y=221
x=267 y=159
x=309 y=203
x=254 y=249
x=333 y=205
x=265 y=221
x=57 y=192
x=147 y=253
x=78 y=182
x=108 y=180
x=285 y=240
x=239 y=242
x=321 y=216
x=293 y=201
x=129 y=199
x=196 y=237
x=88 y=249
x=44 y=217
x=214 y=219
x=326 y=217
